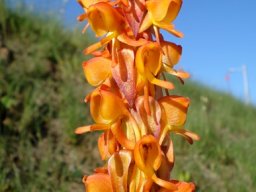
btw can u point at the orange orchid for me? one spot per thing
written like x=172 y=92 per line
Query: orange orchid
x=97 y=70
x=107 y=20
x=174 y=110
x=160 y=14
x=111 y=23
x=128 y=104
x=106 y=108
x=148 y=158
x=171 y=56
x=148 y=64
x=108 y=111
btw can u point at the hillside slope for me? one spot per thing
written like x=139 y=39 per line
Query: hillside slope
x=223 y=160
x=41 y=92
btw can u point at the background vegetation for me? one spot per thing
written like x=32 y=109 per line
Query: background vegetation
x=41 y=103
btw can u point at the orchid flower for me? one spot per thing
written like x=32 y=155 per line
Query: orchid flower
x=148 y=158
x=174 y=110
x=160 y=14
x=104 y=19
x=148 y=64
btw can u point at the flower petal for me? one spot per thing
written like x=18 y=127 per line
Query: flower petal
x=165 y=184
x=146 y=23
x=158 y=82
x=95 y=127
x=118 y=167
x=129 y=41
x=181 y=187
x=170 y=28
x=150 y=122
x=124 y=74
x=121 y=137
x=98 y=182
x=147 y=155
x=97 y=70
x=158 y=8
x=172 y=53
x=174 y=109
x=107 y=144
x=106 y=107
x=104 y=18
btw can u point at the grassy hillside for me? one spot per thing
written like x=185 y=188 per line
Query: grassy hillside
x=224 y=158
x=41 y=92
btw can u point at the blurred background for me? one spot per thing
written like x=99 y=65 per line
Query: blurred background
x=42 y=87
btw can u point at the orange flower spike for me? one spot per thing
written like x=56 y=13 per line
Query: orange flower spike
x=174 y=110
x=161 y=13
x=98 y=182
x=97 y=70
x=148 y=158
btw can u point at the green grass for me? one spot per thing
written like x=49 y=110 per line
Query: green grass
x=42 y=87
x=223 y=160
x=41 y=103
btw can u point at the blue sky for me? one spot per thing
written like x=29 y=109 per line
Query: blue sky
x=219 y=34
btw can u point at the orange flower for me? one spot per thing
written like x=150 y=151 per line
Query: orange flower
x=97 y=70
x=148 y=158
x=106 y=108
x=149 y=63
x=161 y=13
x=109 y=112
x=171 y=56
x=106 y=20
x=174 y=110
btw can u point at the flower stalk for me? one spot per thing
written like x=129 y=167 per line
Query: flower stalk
x=131 y=104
